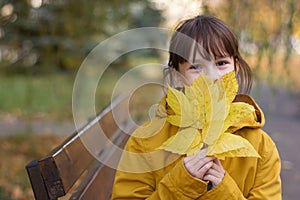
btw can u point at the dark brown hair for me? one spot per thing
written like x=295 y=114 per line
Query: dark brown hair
x=216 y=38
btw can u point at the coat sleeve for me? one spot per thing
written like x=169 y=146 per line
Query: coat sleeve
x=227 y=189
x=176 y=184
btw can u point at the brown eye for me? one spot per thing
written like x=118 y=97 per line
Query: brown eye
x=221 y=63
x=196 y=67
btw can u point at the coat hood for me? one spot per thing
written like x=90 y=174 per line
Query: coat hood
x=255 y=120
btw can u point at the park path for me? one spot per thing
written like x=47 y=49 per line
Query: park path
x=10 y=124
x=282 y=112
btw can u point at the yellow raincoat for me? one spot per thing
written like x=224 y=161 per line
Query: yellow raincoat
x=147 y=173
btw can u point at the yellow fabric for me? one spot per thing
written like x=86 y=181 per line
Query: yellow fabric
x=162 y=175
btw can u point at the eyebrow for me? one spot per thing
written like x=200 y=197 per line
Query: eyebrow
x=223 y=57
x=199 y=62
x=203 y=61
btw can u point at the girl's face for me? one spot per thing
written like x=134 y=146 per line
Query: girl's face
x=214 y=69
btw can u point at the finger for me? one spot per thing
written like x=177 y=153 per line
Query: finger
x=202 y=153
x=198 y=167
x=214 y=176
x=195 y=160
x=195 y=166
x=199 y=172
x=205 y=159
x=188 y=158
x=203 y=170
x=218 y=167
x=218 y=162
x=214 y=173
x=191 y=161
x=215 y=180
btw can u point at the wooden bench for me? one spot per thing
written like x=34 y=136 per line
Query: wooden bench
x=72 y=171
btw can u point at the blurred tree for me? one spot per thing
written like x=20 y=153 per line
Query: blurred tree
x=144 y=14
x=47 y=35
x=265 y=28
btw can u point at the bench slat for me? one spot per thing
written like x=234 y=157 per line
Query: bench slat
x=70 y=164
x=100 y=179
x=100 y=187
x=36 y=180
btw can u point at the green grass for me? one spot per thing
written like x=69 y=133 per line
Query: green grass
x=3 y=196
x=50 y=95
x=36 y=94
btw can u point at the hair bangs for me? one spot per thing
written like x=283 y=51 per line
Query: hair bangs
x=217 y=41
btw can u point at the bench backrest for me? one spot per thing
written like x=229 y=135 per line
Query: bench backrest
x=74 y=171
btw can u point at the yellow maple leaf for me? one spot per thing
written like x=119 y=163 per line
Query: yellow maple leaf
x=215 y=107
x=204 y=113
x=188 y=138
x=230 y=145
x=185 y=109
x=230 y=85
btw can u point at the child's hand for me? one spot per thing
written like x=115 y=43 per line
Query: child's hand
x=207 y=168
x=215 y=173
x=197 y=166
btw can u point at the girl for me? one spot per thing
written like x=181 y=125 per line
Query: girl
x=166 y=176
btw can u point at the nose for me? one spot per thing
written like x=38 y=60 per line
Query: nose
x=212 y=72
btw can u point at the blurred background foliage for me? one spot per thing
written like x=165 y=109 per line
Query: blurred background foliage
x=55 y=35
x=42 y=36
x=269 y=34
x=44 y=42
